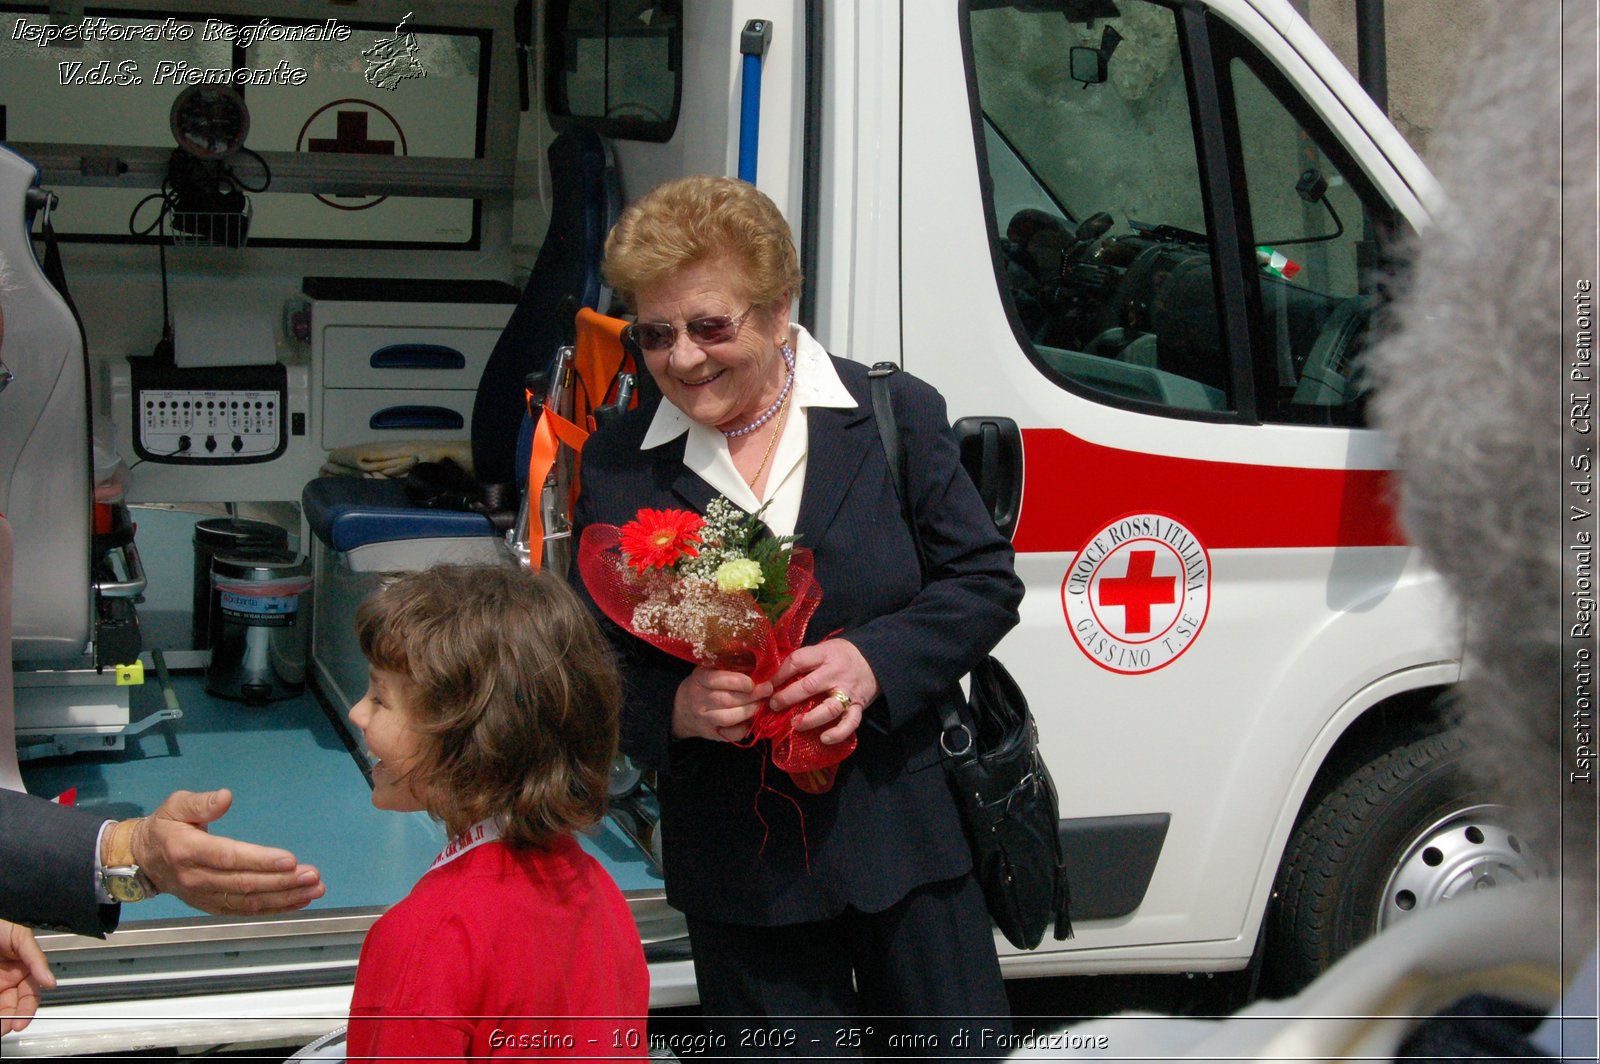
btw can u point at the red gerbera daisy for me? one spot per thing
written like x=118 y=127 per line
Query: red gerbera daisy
x=656 y=539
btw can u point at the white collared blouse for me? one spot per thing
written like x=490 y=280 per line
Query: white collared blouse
x=706 y=453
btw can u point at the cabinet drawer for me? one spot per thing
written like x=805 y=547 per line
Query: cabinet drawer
x=351 y=416
x=387 y=356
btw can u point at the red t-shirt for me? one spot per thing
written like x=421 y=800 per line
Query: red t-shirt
x=504 y=952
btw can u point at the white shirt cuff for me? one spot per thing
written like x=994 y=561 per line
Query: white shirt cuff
x=99 y=868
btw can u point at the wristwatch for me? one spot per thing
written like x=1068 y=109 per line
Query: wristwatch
x=119 y=874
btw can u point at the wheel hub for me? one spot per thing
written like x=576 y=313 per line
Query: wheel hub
x=1467 y=850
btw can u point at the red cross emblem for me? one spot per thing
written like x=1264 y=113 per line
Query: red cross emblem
x=1138 y=590
x=1151 y=568
x=351 y=136
x=360 y=127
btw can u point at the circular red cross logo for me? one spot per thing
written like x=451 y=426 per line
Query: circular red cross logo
x=1138 y=593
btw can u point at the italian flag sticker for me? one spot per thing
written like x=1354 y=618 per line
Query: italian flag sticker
x=1276 y=263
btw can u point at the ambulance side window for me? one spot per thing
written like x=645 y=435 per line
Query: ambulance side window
x=615 y=66
x=1097 y=200
x=1319 y=230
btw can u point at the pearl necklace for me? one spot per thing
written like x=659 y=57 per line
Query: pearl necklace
x=777 y=404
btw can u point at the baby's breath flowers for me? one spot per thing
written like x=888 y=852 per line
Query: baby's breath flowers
x=695 y=611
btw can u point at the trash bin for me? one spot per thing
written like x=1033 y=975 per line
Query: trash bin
x=258 y=637
x=224 y=535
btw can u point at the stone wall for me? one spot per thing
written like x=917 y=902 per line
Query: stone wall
x=1428 y=42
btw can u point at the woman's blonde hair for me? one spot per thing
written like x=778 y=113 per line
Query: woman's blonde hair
x=700 y=219
x=512 y=688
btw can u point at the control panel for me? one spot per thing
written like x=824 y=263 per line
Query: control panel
x=208 y=416
x=175 y=423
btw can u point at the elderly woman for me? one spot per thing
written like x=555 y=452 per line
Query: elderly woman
x=859 y=901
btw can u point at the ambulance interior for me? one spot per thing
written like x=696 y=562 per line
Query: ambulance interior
x=187 y=352
x=364 y=273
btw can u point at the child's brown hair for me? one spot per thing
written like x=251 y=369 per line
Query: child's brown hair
x=512 y=689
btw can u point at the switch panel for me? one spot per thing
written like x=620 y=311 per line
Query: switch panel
x=208 y=415
x=174 y=423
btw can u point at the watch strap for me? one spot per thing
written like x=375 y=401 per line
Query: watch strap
x=116 y=847
x=120 y=874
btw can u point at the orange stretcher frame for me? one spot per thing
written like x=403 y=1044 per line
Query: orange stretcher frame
x=598 y=359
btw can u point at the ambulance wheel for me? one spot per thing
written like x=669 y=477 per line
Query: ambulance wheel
x=1404 y=832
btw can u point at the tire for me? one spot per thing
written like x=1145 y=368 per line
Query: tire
x=1406 y=831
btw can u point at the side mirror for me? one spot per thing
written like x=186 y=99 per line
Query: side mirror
x=1090 y=66
x=1086 y=66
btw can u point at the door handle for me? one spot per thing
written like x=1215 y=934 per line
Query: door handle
x=991 y=451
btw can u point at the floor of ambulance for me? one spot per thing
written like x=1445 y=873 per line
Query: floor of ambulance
x=297 y=782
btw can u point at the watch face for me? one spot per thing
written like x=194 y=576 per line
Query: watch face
x=126 y=885
x=209 y=120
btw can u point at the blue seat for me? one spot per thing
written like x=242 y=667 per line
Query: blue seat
x=350 y=514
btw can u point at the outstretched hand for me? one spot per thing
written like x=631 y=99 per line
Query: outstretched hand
x=216 y=874
x=23 y=971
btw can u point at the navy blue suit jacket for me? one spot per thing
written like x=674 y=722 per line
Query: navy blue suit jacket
x=740 y=843
x=47 y=860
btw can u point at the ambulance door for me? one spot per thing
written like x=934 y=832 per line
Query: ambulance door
x=1129 y=231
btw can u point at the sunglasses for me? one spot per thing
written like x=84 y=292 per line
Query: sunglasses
x=661 y=336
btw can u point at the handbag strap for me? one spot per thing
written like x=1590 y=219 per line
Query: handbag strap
x=889 y=435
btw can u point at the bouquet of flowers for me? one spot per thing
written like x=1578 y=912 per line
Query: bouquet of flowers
x=723 y=592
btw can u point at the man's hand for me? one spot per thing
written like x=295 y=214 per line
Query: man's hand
x=22 y=972
x=215 y=874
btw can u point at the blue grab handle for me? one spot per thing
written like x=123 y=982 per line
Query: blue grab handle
x=416 y=417
x=417 y=356
x=749 y=118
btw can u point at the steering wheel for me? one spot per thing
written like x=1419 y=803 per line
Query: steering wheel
x=1326 y=377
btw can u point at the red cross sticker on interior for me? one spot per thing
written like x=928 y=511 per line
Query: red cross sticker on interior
x=351 y=127
x=351 y=136
x=1137 y=594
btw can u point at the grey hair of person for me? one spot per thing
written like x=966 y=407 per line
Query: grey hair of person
x=1469 y=368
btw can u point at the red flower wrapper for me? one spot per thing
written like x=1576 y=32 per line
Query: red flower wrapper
x=691 y=617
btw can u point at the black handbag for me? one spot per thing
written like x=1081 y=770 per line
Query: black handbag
x=1002 y=788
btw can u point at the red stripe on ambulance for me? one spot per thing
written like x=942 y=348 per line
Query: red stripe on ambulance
x=1071 y=487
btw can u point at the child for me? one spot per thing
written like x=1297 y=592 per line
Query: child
x=493 y=706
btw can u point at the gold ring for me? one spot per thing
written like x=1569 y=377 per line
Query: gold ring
x=844 y=700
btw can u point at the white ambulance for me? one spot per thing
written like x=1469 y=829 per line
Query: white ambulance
x=1137 y=245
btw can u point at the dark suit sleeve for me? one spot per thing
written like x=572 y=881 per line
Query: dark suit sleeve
x=47 y=859
x=970 y=597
